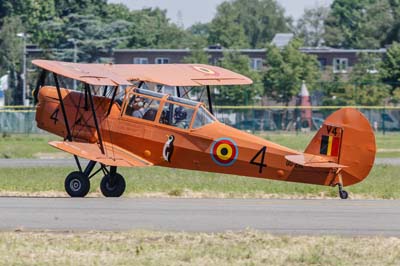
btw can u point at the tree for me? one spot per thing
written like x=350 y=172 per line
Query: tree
x=151 y=28
x=359 y=23
x=197 y=56
x=198 y=34
x=368 y=88
x=11 y=56
x=96 y=8
x=239 y=95
x=286 y=69
x=334 y=90
x=247 y=23
x=225 y=30
x=390 y=71
x=310 y=27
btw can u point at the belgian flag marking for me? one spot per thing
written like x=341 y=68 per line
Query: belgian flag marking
x=329 y=145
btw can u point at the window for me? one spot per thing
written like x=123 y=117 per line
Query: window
x=322 y=63
x=162 y=60
x=176 y=115
x=256 y=63
x=140 y=60
x=202 y=118
x=141 y=106
x=340 y=65
x=167 y=89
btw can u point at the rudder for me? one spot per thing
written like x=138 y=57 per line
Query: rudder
x=346 y=138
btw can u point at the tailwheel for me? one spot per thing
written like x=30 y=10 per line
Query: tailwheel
x=112 y=185
x=342 y=193
x=77 y=184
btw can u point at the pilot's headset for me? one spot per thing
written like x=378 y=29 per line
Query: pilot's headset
x=180 y=113
x=139 y=101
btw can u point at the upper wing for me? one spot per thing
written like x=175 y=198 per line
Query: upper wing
x=180 y=74
x=94 y=74
x=114 y=155
x=166 y=74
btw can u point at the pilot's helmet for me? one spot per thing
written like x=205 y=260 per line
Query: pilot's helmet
x=180 y=113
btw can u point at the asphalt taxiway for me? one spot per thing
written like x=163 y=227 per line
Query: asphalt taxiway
x=294 y=217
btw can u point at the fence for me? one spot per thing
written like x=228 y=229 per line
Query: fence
x=250 y=118
x=270 y=118
x=18 y=119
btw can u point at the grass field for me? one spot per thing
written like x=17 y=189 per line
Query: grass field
x=383 y=183
x=163 y=248
x=179 y=248
x=26 y=146
x=35 y=146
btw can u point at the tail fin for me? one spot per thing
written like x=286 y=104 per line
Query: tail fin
x=346 y=138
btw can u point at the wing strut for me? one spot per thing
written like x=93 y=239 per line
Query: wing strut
x=112 y=100
x=87 y=88
x=209 y=99
x=39 y=84
x=69 y=136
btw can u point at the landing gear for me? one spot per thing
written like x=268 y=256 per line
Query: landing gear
x=77 y=184
x=337 y=180
x=112 y=186
x=342 y=193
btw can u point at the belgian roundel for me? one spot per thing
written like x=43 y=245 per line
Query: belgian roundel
x=204 y=70
x=224 y=151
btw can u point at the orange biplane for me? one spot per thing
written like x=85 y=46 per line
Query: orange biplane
x=115 y=122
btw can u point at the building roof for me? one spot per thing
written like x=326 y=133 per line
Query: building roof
x=325 y=49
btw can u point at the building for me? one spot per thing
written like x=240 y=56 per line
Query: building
x=176 y=56
x=339 y=60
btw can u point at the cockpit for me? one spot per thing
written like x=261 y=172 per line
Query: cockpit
x=165 y=109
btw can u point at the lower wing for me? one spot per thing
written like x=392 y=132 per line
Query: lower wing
x=112 y=156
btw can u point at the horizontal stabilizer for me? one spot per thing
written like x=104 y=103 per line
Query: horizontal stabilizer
x=310 y=160
x=113 y=155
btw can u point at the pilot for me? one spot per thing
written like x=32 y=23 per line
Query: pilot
x=164 y=118
x=180 y=117
x=138 y=107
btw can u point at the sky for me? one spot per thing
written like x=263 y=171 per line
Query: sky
x=188 y=12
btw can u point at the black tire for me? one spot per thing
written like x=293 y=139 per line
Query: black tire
x=77 y=184
x=343 y=194
x=113 y=191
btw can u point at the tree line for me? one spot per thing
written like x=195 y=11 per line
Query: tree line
x=96 y=25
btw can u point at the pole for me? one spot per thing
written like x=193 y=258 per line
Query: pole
x=23 y=35
x=24 y=73
x=74 y=41
x=75 y=59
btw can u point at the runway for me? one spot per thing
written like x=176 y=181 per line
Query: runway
x=295 y=217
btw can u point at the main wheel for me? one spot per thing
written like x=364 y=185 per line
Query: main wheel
x=343 y=194
x=112 y=189
x=77 y=184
